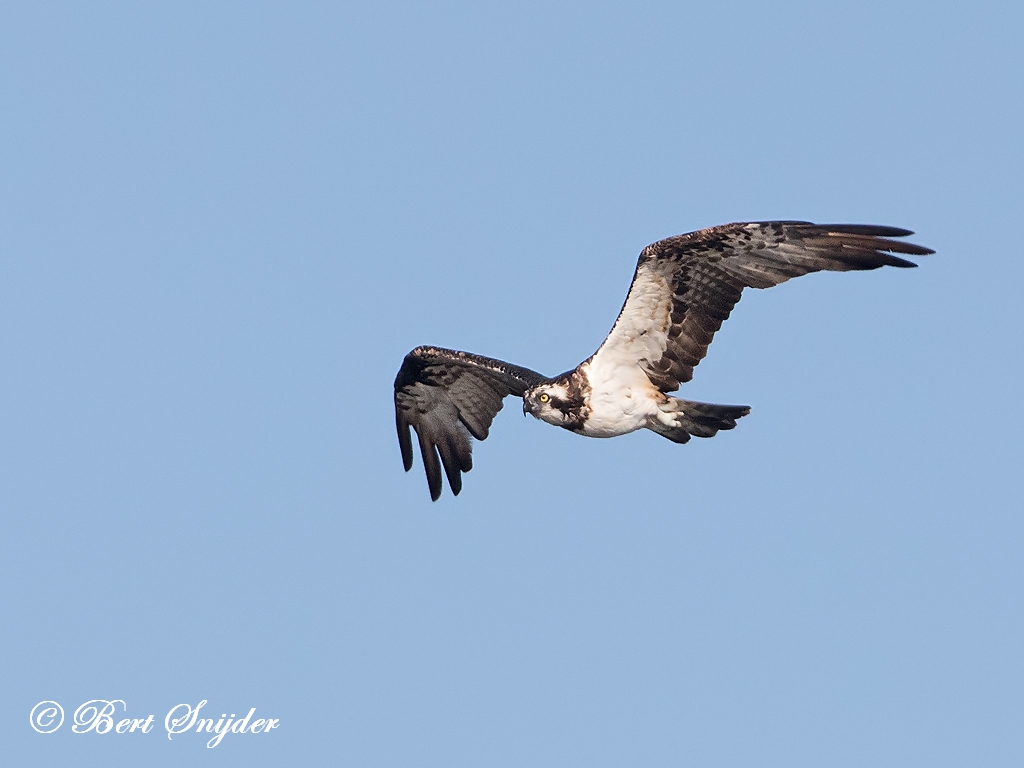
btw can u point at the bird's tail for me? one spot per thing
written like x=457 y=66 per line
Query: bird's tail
x=681 y=419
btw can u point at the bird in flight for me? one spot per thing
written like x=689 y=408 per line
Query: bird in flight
x=683 y=289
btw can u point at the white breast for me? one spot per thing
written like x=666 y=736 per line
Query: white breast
x=621 y=396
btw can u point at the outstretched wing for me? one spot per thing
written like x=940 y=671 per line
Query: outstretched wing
x=685 y=287
x=448 y=396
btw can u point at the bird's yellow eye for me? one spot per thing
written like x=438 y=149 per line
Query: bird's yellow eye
x=544 y=397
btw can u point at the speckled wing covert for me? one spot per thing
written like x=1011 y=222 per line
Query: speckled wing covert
x=685 y=287
x=448 y=396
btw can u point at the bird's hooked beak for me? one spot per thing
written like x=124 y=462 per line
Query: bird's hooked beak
x=527 y=406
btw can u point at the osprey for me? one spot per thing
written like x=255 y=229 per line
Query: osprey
x=683 y=289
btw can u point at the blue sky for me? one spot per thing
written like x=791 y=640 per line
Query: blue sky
x=223 y=225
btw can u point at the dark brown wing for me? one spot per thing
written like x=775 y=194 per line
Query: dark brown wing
x=685 y=287
x=448 y=396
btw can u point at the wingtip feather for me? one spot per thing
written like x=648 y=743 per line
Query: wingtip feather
x=404 y=440
x=871 y=230
x=432 y=467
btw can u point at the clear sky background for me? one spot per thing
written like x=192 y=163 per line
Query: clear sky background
x=222 y=225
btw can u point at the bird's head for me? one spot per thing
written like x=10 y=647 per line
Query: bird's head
x=548 y=402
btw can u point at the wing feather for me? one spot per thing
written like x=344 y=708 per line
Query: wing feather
x=449 y=397
x=685 y=287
